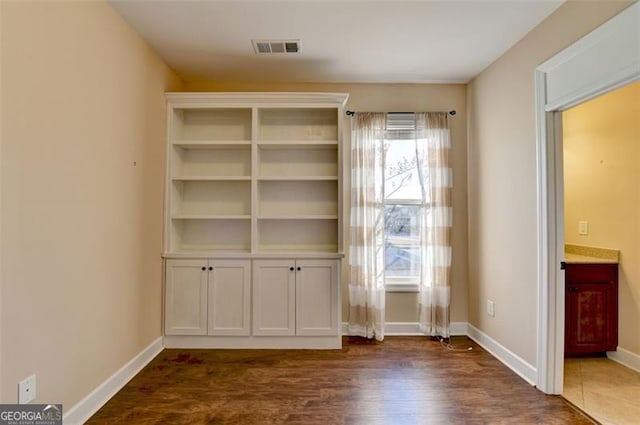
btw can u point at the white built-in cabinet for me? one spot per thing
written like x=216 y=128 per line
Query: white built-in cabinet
x=254 y=180
x=208 y=297
x=295 y=297
x=186 y=297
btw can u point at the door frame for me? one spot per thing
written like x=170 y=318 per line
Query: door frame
x=605 y=59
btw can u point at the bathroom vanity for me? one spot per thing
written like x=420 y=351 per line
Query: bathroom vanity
x=591 y=304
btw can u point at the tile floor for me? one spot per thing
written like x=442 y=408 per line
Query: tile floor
x=606 y=390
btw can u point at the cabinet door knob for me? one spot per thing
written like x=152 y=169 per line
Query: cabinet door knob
x=204 y=268
x=291 y=268
x=210 y=268
x=299 y=268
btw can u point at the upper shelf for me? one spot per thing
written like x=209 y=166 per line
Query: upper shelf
x=212 y=144
x=215 y=124
x=297 y=124
x=298 y=144
x=211 y=178
x=297 y=178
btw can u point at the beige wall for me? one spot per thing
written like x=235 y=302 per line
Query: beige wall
x=601 y=140
x=401 y=307
x=82 y=226
x=502 y=178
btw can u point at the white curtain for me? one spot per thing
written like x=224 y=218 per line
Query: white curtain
x=433 y=146
x=366 y=253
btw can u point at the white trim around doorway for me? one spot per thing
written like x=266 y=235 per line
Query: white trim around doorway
x=603 y=60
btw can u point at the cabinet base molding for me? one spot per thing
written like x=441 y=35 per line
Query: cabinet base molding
x=261 y=342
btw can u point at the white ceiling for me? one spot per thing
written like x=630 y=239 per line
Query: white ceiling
x=341 y=41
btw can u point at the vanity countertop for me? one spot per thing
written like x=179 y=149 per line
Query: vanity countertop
x=579 y=254
x=583 y=259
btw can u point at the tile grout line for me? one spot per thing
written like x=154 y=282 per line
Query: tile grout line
x=584 y=404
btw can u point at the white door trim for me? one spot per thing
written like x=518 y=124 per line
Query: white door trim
x=603 y=60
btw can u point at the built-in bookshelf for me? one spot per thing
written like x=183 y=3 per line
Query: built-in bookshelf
x=254 y=173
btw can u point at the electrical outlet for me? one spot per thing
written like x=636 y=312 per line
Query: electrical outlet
x=583 y=228
x=491 y=308
x=27 y=390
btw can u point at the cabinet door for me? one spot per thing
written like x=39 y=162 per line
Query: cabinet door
x=316 y=297
x=229 y=297
x=591 y=317
x=274 y=297
x=186 y=297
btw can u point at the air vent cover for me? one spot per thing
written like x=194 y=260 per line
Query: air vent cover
x=276 y=46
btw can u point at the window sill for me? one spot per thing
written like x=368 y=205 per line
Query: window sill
x=402 y=287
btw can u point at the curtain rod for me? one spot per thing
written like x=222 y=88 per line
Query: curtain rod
x=350 y=113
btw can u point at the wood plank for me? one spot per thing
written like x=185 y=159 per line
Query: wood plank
x=403 y=380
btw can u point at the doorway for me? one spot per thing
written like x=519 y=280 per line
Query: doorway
x=601 y=153
x=612 y=53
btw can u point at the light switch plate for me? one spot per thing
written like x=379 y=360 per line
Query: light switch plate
x=491 y=308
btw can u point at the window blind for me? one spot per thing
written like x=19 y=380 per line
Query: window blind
x=401 y=121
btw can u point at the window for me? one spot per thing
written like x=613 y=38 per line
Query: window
x=403 y=199
x=401 y=217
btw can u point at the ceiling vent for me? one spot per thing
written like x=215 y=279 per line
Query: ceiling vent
x=276 y=46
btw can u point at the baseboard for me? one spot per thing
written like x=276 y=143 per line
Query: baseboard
x=89 y=405
x=625 y=358
x=507 y=357
x=412 y=329
x=459 y=328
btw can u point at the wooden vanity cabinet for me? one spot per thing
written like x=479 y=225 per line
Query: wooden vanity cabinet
x=591 y=308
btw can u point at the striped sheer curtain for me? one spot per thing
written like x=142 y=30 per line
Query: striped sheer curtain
x=366 y=255
x=433 y=147
x=366 y=252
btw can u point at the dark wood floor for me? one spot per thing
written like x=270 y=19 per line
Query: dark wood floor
x=404 y=380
